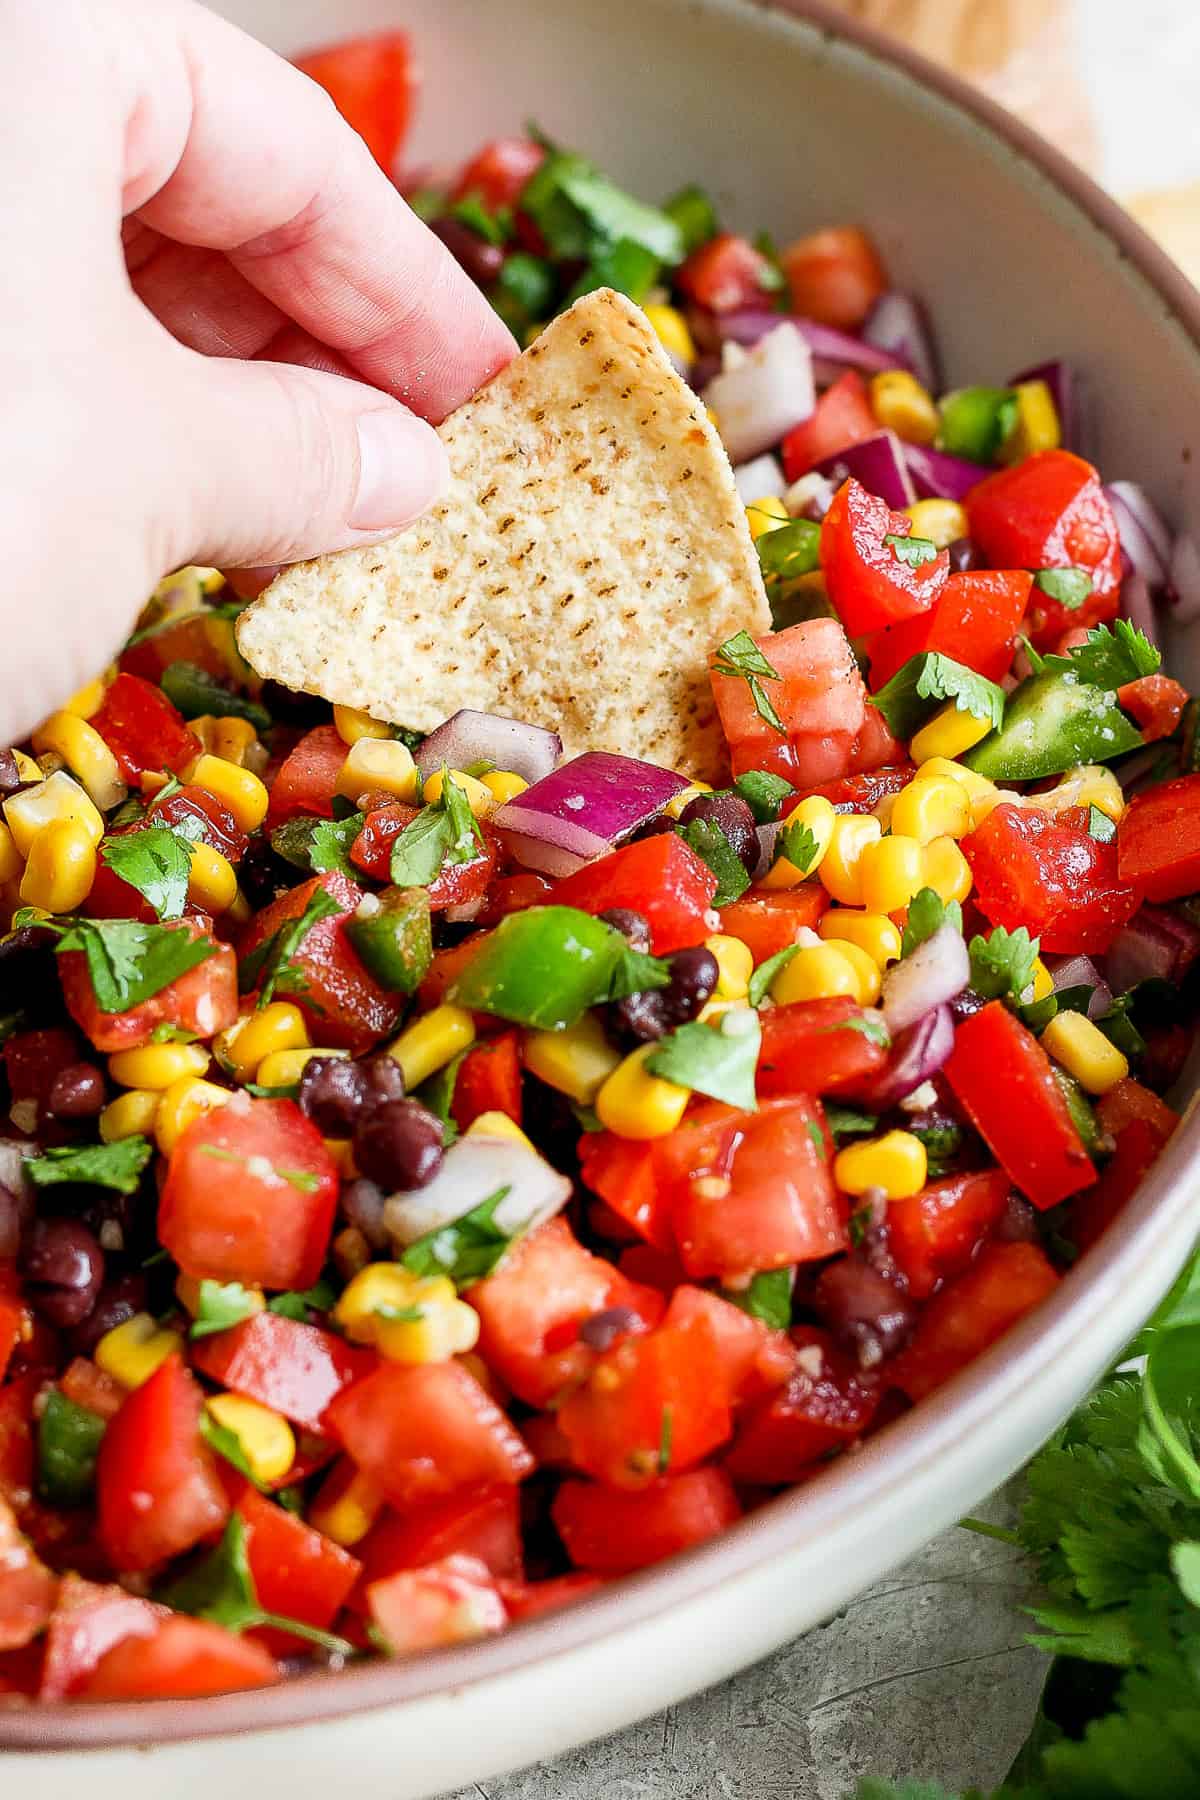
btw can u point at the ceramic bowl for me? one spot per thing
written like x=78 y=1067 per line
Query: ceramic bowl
x=792 y=119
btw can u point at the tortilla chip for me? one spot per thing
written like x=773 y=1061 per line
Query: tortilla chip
x=590 y=554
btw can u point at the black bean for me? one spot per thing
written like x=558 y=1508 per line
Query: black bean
x=333 y=1092
x=481 y=261
x=10 y=775
x=632 y=925
x=117 y=1301
x=64 y=1268
x=77 y=1092
x=640 y=1017
x=27 y=973
x=362 y=1204
x=966 y=1003
x=731 y=813
x=1017 y=1224
x=694 y=977
x=601 y=1330
x=658 y=826
x=16 y=1217
x=867 y=1315
x=385 y=1080
x=399 y=1145
x=962 y=556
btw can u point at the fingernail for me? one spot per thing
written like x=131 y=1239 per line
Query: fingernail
x=402 y=470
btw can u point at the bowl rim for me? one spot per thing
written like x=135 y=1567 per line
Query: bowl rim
x=910 y=1443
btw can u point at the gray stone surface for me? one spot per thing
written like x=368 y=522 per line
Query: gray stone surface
x=927 y=1674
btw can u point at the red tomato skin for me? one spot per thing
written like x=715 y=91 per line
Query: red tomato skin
x=204 y=1000
x=1141 y=1124
x=218 y=827
x=767 y=920
x=933 y=1236
x=725 y=274
x=876 y=746
x=223 y=1222
x=443 y=1603
x=530 y=1599
x=1003 y=1079
x=860 y=793
x=184 y=1658
x=622 y=1172
x=614 y=1421
x=975 y=621
x=297 y=1571
x=866 y=581
x=660 y=877
x=372 y=81
x=842 y=417
x=1036 y=870
x=482 y=1522
x=89 y=1387
x=1004 y=1283
x=294 y=1368
x=142 y=729
x=192 y=639
x=754 y=1359
x=489 y=1080
x=782 y=1435
x=157 y=1490
x=1155 y=703
x=612 y=1531
x=513 y=893
x=500 y=172
x=1158 y=840
x=457 y=884
x=423 y=1431
x=16 y=1438
x=12 y=1314
x=819 y=698
x=28 y=1591
x=816 y=1047
x=306 y=780
x=88 y=1620
x=834 y=276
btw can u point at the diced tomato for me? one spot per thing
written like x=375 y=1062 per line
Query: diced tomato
x=89 y=1387
x=876 y=745
x=513 y=893
x=1158 y=840
x=489 y=1080
x=424 y=1430
x=444 y=971
x=612 y=1532
x=1050 y=512
x=753 y=1358
x=1156 y=703
x=782 y=1435
x=500 y=172
x=819 y=698
x=622 y=1172
x=372 y=81
x=28 y=1589
x=203 y=1001
x=12 y=1314
x=294 y=1368
x=16 y=1438
x=482 y=1522
x=201 y=813
x=202 y=638
x=860 y=793
x=157 y=1491
x=1004 y=1081
x=868 y=582
x=297 y=1571
x=934 y=1235
x=975 y=620
x=661 y=877
x=834 y=276
x=457 y=884
x=651 y=1405
x=816 y=1047
x=1129 y=1100
x=87 y=1621
x=1004 y=1283
x=647 y=1267
x=184 y=1658
x=726 y=274
x=142 y=729
x=348 y=1007
x=1140 y=1123
x=448 y=1602
x=530 y=1599
x=767 y=920
x=1033 y=869
x=307 y=779
x=842 y=417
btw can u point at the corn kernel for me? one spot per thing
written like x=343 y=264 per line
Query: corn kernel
x=279 y=1026
x=157 y=1066
x=818 y=972
x=671 y=329
x=187 y=1292
x=982 y=795
x=61 y=868
x=817 y=815
x=212 y=879
x=895 y=1162
x=684 y=798
x=948 y=734
x=577 y=1061
x=178 y=592
x=86 y=754
x=347 y=1505
x=267 y=1440
x=504 y=785
x=430 y=1042
x=872 y=932
x=351 y=724
x=1036 y=426
x=891 y=872
x=902 y=405
x=283 y=1068
x=1091 y=784
x=735 y=965
x=131 y=1352
x=181 y=1104
x=480 y=798
x=381 y=766
x=941 y=521
x=1084 y=1052
x=87 y=699
x=233 y=740
x=408 y=1318
x=241 y=912
x=867 y=969
x=497 y=1125
x=129 y=1115
x=204 y=727
x=1043 y=981
x=58 y=797
x=211 y=580
x=839 y=869
x=932 y=806
x=238 y=789
x=635 y=1104
x=767 y=514
x=11 y=860
x=946 y=870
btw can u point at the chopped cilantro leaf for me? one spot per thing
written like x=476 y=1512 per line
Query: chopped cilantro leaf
x=1119 y=1028
x=868 y=1024
x=942 y=1146
x=127 y=961
x=467 y=1249
x=330 y=843
x=764 y=975
x=1070 y=587
x=195 y=692
x=156 y=861
x=915 y=692
x=445 y=831
x=719 y=1059
x=695 y=216
x=220 y=1305
x=927 y=913
x=1100 y=826
x=1112 y=656
x=763 y=793
x=220 y=1587
x=272 y=967
x=320 y=1297
x=1002 y=963
x=741 y=658
x=711 y=845
x=847 y=1121
x=797 y=845
x=473 y=212
x=818 y=1138
x=768 y=1297
x=579 y=211
x=118 y=1165
x=915 y=551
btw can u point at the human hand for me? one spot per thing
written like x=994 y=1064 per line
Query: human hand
x=222 y=331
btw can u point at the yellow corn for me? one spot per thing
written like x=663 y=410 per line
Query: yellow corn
x=839 y=868
x=894 y=1162
x=11 y=860
x=267 y=1440
x=818 y=815
x=61 y=868
x=204 y=726
x=767 y=514
x=635 y=1104
x=504 y=785
x=408 y=1318
x=129 y=1115
x=58 y=797
x=347 y=1506
x=480 y=798
x=182 y=1103
x=1084 y=1052
x=577 y=1061
x=238 y=789
x=685 y=796
x=27 y=769
x=283 y=1068
x=351 y=724
x=211 y=580
x=279 y=1026
x=342 y=1152
x=932 y=806
x=1091 y=784
x=735 y=965
x=241 y=911
x=430 y=1042
x=872 y=932
x=180 y=591
x=671 y=329
x=941 y=521
x=945 y=869
x=234 y=740
x=187 y=1292
x=982 y=795
x=902 y=405
x=157 y=1066
x=864 y=964
x=497 y=1125
x=86 y=754
x=1036 y=426
x=212 y=879
x=948 y=734
x=1043 y=981
x=378 y=765
x=87 y=699
x=131 y=1352
x=891 y=872
x=818 y=972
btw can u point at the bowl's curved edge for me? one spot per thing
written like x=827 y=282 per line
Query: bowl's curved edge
x=1148 y=1226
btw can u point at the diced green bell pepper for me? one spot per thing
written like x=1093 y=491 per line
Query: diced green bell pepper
x=975 y=421
x=67 y=1445
x=195 y=692
x=1053 y=723
x=396 y=942
x=546 y=966
x=1083 y=1113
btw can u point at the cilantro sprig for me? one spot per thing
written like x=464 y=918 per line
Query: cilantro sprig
x=157 y=861
x=741 y=658
x=467 y=1249
x=927 y=913
x=713 y=847
x=221 y=1588
x=917 y=689
x=273 y=967
x=1002 y=963
x=718 y=1060
x=127 y=961
x=117 y=1166
x=1112 y=656
x=445 y=831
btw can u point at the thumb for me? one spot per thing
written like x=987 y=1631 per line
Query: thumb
x=272 y=463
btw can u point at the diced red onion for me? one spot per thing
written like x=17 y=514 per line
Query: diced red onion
x=834 y=350
x=771 y=390
x=528 y=750
x=898 y=324
x=918 y=1052
x=581 y=809
x=1138 y=607
x=1066 y=390
x=935 y=972
x=759 y=478
x=767 y=835
x=1145 y=536
x=1184 y=576
x=810 y=497
x=879 y=463
x=13 y=1155
x=937 y=476
x=1081 y=971
x=1156 y=945
x=472 y=1168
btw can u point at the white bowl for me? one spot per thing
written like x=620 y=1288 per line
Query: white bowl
x=793 y=119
